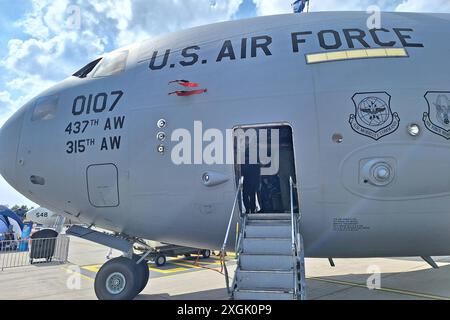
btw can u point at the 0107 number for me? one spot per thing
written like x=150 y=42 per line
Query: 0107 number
x=96 y=103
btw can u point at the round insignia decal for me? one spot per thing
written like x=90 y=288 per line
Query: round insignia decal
x=437 y=119
x=373 y=111
x=373 y=116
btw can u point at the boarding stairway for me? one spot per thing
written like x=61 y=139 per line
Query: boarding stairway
x=270 y=258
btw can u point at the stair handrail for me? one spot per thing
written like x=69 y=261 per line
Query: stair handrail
x=293 y=240
x=236 y=198
x=225 y=242
x=297 y=246
x=293 y=230
x=238 y=248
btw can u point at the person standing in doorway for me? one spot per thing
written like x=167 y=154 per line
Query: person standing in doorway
x=252 y=178
x=251 y=174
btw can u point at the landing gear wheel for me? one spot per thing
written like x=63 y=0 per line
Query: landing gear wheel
x=206 y=254
x=160 y=260
x=142 y=271
x=117 y=279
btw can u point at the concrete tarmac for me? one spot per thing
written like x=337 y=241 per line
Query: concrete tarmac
x=189 y=279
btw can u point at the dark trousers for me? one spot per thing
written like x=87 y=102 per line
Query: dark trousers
x=252 y=177
x=250 y=200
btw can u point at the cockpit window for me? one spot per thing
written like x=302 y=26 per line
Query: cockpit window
x=112 y=64
x=83 y=73
x=45 y=108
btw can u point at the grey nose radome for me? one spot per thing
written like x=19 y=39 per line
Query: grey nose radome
x=9 y=141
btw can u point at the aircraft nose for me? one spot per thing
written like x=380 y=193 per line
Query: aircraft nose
x=9 y=141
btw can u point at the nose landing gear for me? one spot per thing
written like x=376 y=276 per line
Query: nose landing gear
x=121 y=279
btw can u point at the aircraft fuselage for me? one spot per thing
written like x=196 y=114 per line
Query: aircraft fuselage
x=100 y=156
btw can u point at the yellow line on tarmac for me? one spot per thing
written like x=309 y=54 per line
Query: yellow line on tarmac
x=195 y=261
x=96 y=268
x=78 y=273
x=398 y=291
x=208 y=263
x=192 y=266
x=92 y=279
x=168 y=271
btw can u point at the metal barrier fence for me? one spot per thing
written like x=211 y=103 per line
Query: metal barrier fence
x=21 y=253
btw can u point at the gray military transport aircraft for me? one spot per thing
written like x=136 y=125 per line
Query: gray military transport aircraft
x=362 y=117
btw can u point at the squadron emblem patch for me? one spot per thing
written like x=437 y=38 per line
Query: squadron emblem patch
x=437 y=119
x=373 y=117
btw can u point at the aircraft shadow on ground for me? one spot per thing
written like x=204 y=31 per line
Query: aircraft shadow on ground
x=419 y=259
x=215 y=294
x=426 y=284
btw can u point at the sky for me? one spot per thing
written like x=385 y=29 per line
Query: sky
x=44 y=41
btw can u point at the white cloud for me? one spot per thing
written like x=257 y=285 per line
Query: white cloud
x=424 y=6
x=6 y=106
x=54 y=49
x=268 y=7
x=5 y=97
x=161 y=16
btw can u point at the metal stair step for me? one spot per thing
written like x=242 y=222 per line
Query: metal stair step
x=267 y=280
x=268 y=231
x=269 y=223
x=267 y=246
x=262 y=295
x=251 y=262
x=269 y=216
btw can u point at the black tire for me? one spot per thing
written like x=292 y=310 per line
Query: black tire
x=160 y=260
x=124 y=273
x=206 y=254
x=143 y=272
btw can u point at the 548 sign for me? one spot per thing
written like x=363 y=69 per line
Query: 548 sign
x=42 y=215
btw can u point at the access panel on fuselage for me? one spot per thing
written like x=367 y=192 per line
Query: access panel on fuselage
x=102 y=185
